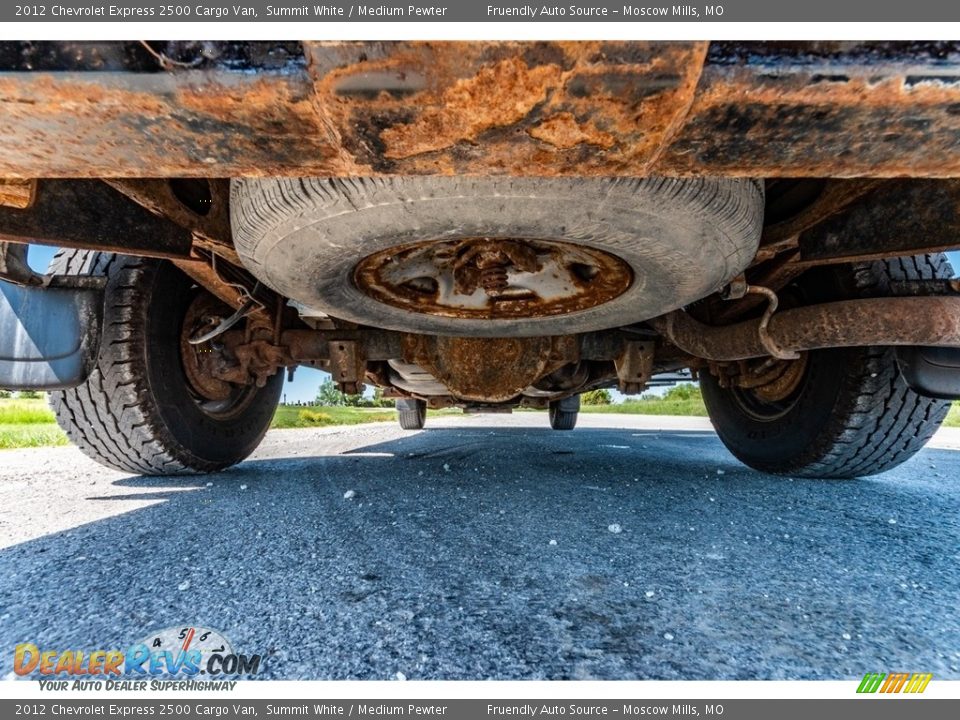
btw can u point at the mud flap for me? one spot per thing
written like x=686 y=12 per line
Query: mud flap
x=931 y=371
x=49 y=336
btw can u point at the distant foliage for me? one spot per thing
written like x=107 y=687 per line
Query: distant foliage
x=379 y=401
x=5 y=394
x=29 y=395
x=329 y=396
x=596 y=397
x=685 y=391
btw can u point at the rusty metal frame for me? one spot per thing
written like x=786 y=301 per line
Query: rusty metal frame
x=89 y=214
x=863 y=116
x=210 y=226
x=906 y=217
x=865 y=109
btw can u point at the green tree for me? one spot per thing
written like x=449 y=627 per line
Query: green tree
x=596 y=397
x=5 y=394
x=330 y=396
x=29 y=395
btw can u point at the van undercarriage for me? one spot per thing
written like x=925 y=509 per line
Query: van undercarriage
x=484 y=225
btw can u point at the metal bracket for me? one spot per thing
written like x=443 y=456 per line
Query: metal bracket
x=347 y=366
x=634 y=366
x=13 y=265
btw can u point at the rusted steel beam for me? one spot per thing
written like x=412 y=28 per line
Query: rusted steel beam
x=199 y=205
x=907 y=217
x=189 y=123
x=90 y=214
x=835 y=196
x=924 y=321
x=487 y=108
x=823 y=109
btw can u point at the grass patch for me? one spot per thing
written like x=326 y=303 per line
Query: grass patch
x=31 y=435
x=953 y=417
x=293 y=416
x=25 y=412
x=691 y=407
x=30 y=423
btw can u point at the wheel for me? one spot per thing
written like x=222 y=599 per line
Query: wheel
x=146 y=407
x=412 y=413
x=836 y=413
x=496 y=257
x=563 y=413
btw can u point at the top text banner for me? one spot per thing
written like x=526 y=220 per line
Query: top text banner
x=647 y=11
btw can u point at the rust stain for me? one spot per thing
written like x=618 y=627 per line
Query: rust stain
x=563 y=131
x=18 y=194
x=584 y=108
x=497 y=96
x=492 y=278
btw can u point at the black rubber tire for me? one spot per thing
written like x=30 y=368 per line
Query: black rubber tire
x=564 y=413
x=853 y=414
x=304 y=237
x=135 y=412
x=412 y=414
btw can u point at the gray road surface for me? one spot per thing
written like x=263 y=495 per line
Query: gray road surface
x=492 y=547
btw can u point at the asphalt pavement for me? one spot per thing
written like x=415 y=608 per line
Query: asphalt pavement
x=493 y=547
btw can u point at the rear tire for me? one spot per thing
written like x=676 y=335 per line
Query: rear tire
x=136 y=411
x=412 y=413
x=852 y=413
x=563 y=413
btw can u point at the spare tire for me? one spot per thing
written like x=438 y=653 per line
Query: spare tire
x=626 y=250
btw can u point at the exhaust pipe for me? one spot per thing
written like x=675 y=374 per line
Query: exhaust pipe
x=923 y=321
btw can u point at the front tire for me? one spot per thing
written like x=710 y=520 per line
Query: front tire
x=412 y=413
x=848 y=412
x=137 y=411
x=564 y=413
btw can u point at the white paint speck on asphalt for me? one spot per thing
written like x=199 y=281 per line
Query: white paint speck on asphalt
x=553 y=542
x=615 y=528
x=649 y=593
x=349 y=494
x=185 y=585
x=243 y=487
x=668 y=636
